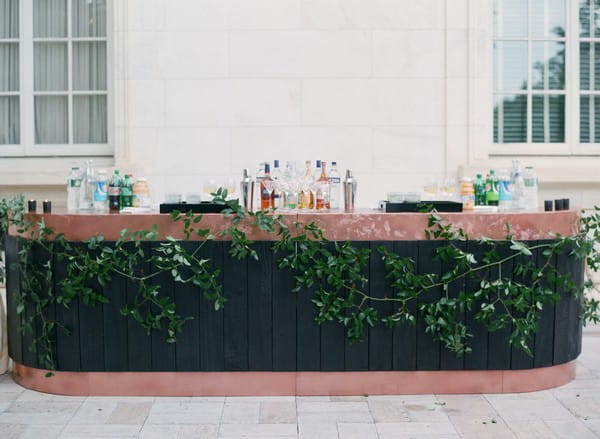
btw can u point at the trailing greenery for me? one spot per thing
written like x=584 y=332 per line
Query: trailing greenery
x=501 y=284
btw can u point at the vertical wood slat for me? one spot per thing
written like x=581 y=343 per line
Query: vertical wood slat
x=211 y=322
x=499 y=352
x=187 y=304
x=115 y=324
x=477 y=359
x=260 y=309
x=405 y=336
x=333 y=339
x=91 y=329
x=428 y=350
x=380 y=338
x=449 y=360
x=544 y=337
x=284 y=318
x=519 y=358
x=139 y=342
x=163 y=356
x=356 y=355
x=235 y=287
x=13 y=286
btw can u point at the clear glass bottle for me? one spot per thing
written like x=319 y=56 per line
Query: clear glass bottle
x=531 y=188
x=101 y=190
x=322 y=189
x=266 y=189
x=88 y=184
x=518 y=192
x=73 y=189
x=306 y=196
x=335 y=185
x=504 y=190
x=276 y=175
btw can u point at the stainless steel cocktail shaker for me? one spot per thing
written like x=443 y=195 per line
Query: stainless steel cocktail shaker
x=247 y=190
x=349 y=191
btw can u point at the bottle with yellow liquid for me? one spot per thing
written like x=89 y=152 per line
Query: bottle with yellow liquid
x=306 y=196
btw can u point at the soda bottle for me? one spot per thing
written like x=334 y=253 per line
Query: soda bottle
x=73 y=189
x=126 y=195
x=114 y=192
x=504 y=191
x=322 y=192
x=100 y=190
x=335 y=184
x=491 y=189
x=479 y=186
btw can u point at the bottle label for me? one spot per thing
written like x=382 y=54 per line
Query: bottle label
x=505 y=193
x=100 y=193
x=75 y=182
x=114 y=191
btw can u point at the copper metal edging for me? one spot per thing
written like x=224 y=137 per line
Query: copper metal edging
x=292 y=383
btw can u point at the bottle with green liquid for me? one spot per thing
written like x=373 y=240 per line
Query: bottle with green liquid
x=491 y=189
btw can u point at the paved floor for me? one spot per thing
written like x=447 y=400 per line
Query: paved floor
x=571 y=411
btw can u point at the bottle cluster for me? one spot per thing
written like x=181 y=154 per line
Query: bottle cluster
x=91 y=190
x=509 y=189
x=289 y=188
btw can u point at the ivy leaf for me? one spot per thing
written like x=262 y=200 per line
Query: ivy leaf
x=520 y=247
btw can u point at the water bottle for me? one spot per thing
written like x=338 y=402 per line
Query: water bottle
x=277 y=193
x=335 y=184
x=87 y=187
x=100 y=191
x=518 y=192
x=504 y=191
x=73 y=189
x=530 y=188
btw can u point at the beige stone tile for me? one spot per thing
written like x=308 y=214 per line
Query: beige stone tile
x=42 y=431
x=4 y=405
x=12 y=431
x=355 y=398
x=197 y=432
x=93 y=411
x=36 y=413
x=423 y=430
x=130 y=413
x=524 y=408
x=331 y=407
x=258 y=430
x=99 y=431
x=151 y=431
x=301 y=399
x=481 y=426
x=317 y=431
x=570 y=429
x=584 y=407
x=332 y=412
x=31 y=395
x=185 y=413
x=466 y=405
x=531 y=429
x=241 y=413
x=9 y=396
x=356 y=431
x=277 y=413
x=388 y=411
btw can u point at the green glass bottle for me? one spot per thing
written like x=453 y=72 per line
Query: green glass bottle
x=491 y=189
x=479 y=186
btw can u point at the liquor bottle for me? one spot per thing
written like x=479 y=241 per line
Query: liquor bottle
x=114 y=192
x=100 y=190
x=86 y=194
x=126 y=195
x=306 y=195
x=504 y=191
x=317 y=172
x=491 y=189
x=531 y=188
x=322 y=190
x=266 y=189
x=73 y=189
x=479 y=186
x=335 y=184
x=277 y=188
x=259 y=175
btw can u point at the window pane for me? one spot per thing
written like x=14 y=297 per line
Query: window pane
x=50 y=18
x=510 y=18
x=9 y=67
x=510 y=118
x=596 y=18
x=584 y=66
x=89 y=66
x=9 y=18
x=548 y=66
x=51 y=126
x=89 y=18
x=589 y=107
x=584 y=18
x=9 y=120
x=90 y=119
x=50 y=66
x=548 y=18
x=510 y=64
x=548 y=119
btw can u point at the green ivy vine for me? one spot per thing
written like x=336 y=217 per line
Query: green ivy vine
x=333 y=273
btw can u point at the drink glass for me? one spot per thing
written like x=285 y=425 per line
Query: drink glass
x=448 y=188
x=430 y=190
x=209 y=187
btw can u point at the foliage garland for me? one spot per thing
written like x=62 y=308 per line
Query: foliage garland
x=333 y=270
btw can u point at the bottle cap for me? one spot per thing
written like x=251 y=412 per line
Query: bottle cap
x=276 y=163
x=478 y=175
x=318 y=163
x=333 y=163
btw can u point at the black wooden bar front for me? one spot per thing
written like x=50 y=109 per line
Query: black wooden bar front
x=266 y=327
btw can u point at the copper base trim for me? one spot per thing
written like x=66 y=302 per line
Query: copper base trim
x=292 y=383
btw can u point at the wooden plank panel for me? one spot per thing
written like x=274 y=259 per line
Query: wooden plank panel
x=428 y=350
x=235 y=287
x=13 y=285
x=333 y=340
x=163 y=353
x=260 y=309
x=405 y=336
x=138 y=340
x=477 y=359
x=499 y=349
x=357 y=353
x=284 y=318
x=450 y=360
x=115 y=324
x=381 y=341
x=187 y=303
x=211 y=329
x=544 y=337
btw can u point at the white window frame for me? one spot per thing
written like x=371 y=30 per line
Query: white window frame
x=28 y=147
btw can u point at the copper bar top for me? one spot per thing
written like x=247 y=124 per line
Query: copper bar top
x=361 y=225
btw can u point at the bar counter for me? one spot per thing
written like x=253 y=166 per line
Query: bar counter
x=266 y=342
